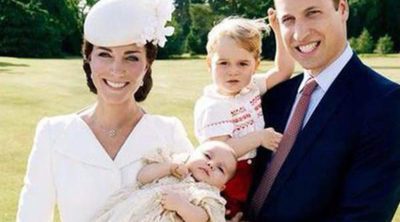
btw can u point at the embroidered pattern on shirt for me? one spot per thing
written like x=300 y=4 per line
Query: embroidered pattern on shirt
x=218 y=123
x=244 y=115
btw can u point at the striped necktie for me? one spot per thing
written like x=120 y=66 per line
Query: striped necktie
x=288 y=139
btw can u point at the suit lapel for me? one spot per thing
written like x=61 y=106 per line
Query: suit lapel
x=293 y=94
x=285 y=95
x=318 y=121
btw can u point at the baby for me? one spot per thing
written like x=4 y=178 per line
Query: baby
x=177 y=187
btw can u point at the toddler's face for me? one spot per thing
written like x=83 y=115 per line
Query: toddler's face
x=213 y=163
x=231 y=66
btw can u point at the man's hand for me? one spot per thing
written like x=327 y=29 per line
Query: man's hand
x=273 y=20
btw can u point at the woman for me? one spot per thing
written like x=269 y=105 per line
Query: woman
x=79 y=160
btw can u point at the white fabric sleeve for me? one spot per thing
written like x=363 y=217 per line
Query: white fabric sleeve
x=260 y=80
x=38 y=195
x=213 y=120
x=180 y=137
x=211 y=201
x=214 y=209
x=159 y=155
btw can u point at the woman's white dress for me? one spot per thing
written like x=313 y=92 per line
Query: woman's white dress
x=69 y=168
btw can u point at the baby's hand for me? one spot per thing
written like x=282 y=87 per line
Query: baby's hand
x=270 y=139
x=171 y=200
x=273 y=20
x=179 y=171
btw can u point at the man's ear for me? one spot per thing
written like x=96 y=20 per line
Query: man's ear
x=343 y=9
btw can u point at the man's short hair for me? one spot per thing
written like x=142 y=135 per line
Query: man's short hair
x=335 y=4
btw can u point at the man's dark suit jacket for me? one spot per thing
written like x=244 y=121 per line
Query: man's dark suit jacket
x=345 y=163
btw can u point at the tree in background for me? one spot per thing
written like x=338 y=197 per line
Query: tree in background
x=67 y=16
x=203 y=20
x=246 y=8
x=353 y=43
x=378 y=16
x=391 y=20
x=176 y=44
x=384 y=45
x=50 y=28
x=182 y=22
x=40 y=28
x=27 y=30
x=364 y=43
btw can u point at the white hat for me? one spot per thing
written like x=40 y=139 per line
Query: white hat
x=122 y=22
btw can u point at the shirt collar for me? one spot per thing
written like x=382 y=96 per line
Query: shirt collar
x=325 y=78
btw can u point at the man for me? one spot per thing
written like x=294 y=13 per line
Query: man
x=342 y=162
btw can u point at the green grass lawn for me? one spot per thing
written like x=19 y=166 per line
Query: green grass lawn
x=33 y=88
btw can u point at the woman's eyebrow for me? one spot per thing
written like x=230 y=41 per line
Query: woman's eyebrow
x=104 y=48
x=132 y=51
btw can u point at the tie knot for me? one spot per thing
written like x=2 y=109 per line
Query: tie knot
x=309 y=87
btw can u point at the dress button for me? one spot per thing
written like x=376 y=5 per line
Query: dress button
x=249 y=161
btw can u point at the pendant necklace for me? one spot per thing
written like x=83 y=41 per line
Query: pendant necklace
x=113 y=131
x=109 y=132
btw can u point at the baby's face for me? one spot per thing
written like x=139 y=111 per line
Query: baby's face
x=213 y=163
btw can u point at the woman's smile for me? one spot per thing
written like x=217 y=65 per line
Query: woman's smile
x=115 y=85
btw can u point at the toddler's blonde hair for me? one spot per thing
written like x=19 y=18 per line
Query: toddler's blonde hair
x=245 y=32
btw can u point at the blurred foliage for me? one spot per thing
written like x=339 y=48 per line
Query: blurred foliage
x=364 y=43
x=380 y=17
x=203 y=20
x=182 y=21
x=27 y=30
x=53 y=28
x=384 y=45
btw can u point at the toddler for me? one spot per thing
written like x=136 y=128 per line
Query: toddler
x=230 y=108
